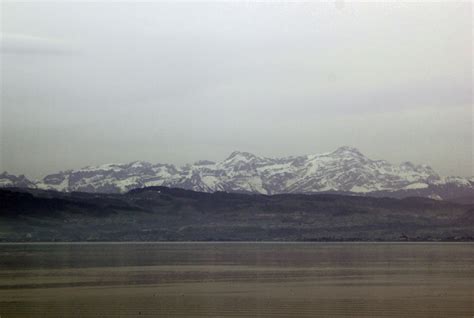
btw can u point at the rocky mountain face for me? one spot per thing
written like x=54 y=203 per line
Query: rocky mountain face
x=9 y=180
x=345 y=170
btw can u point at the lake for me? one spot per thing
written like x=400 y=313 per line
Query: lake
x=237 y=280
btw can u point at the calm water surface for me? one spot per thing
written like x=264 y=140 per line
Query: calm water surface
x=237 y=280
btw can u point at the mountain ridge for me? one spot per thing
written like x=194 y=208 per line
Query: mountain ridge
x=345 y=170
x=174 y=214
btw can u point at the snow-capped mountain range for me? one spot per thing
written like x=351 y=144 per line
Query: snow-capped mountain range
x=345 y=170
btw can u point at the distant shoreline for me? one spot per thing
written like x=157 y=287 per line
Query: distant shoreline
x=161 y=214
x=233 y=242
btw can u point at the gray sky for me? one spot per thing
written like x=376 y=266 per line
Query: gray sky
x=96 y=82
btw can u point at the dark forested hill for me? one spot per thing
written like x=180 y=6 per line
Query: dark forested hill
x=167 y=214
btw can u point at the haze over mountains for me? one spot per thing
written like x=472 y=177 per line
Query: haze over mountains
x=345 y=170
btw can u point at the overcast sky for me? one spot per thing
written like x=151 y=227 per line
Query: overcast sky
x=97 y=82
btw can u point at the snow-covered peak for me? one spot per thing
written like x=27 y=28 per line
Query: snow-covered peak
x=204 y=163
x=10 y=180
x=344 y=170
x=241 y=156
x=347 y=150
x=140 y=164
x=103 y=167
x=245 y=162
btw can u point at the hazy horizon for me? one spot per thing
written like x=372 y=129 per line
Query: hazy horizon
x=214 y=160
x=93 y=83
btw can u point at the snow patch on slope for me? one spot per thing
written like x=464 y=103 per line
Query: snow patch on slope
x=345 y=170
